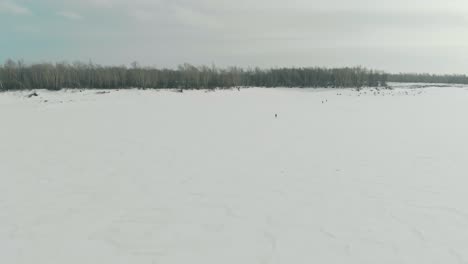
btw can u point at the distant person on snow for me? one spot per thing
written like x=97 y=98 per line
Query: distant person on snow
x=276 y=115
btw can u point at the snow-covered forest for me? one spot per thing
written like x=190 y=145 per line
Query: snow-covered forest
x=18 y=76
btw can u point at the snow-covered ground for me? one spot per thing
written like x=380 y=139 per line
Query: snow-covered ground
x=148 y=177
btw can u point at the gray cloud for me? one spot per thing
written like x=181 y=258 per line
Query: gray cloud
x=69 y=15
x=9 y=7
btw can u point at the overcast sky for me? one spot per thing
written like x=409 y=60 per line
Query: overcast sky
x=392 y=35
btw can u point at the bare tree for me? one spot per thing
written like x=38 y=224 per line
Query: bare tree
x=18 y=75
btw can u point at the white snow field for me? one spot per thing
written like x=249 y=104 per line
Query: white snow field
x=147 y=177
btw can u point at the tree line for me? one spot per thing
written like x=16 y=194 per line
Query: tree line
x=16 y=75
x=428 y=78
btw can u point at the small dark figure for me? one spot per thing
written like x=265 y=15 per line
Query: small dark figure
x=32 y=95
x=276 y=115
